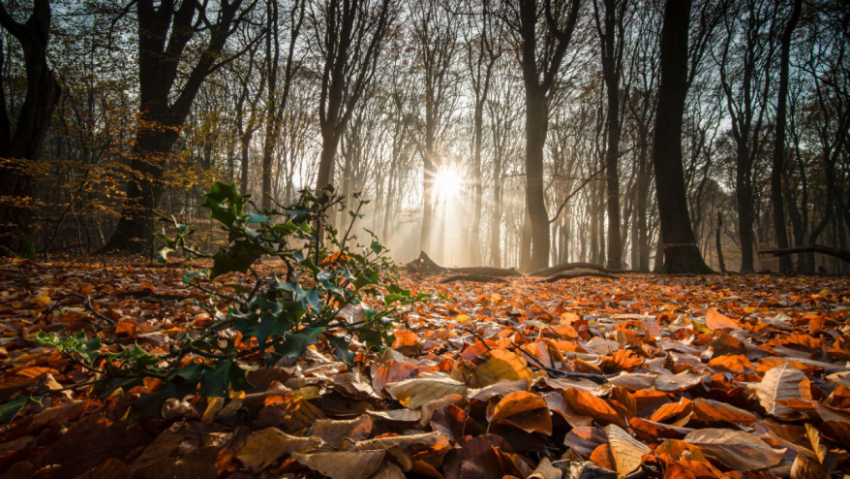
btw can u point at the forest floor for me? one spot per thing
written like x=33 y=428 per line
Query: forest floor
x=641 y=376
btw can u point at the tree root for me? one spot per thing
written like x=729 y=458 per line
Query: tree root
x=838 y=253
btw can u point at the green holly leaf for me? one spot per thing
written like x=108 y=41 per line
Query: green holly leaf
x=295 y=344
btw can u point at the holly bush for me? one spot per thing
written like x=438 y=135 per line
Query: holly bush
x=318 y=290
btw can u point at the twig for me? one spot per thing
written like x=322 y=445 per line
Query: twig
x=86 y=301
x=600 y=378
x=476 y=337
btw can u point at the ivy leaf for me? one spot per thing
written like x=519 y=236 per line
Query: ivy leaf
x=11 y=409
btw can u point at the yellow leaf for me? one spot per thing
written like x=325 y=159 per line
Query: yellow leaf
x=41 y=300
x=308 y=392
x=263 y=448
x=414 y=393
x=214 y=405
x=501 y=364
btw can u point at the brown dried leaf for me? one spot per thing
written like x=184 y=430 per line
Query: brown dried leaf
x=263 y=448
x=524 y=410
x=414 y=393
x=626 y=451
x=736 y=449
x=782 y=383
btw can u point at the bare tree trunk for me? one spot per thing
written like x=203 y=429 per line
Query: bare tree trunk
x=496 y=218
x=681 y=254
x=539 y=77
x=611 y=49
x=776 y=188
x=718 y=245
x=642 y=204
x=24 y=146
x=168 y=31
x=536 y=126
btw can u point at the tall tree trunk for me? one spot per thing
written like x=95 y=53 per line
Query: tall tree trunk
x=536 y=126
x=607 y=28
x=718 y=245
x=475 y=230
x=612 y=170
x=744 y=197
x=24 y=146
x=642 y=203
x=168 y=31
x=681 y=254
x=776 y=188
x=496 y=218
x=245 y=146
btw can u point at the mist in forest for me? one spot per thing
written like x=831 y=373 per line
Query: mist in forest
x=644 y=135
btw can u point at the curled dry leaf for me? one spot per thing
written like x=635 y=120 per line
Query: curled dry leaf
x=708 y=410
x=334 y=432
x=736 y=449
x=626 y=451
x=264 y=447
x=425 y=440
x=524 y=410
x=587 y=404
x=545 y=470
x=398 y=415
x=414 y=393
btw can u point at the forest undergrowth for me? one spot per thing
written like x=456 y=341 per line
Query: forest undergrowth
x=637 y=375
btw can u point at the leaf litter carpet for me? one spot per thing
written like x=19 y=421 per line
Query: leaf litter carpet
x=638 y=376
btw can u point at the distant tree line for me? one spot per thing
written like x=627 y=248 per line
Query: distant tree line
x=635 y=134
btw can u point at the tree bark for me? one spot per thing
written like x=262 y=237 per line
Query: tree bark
x=681 y=254
x=718 y=245
x=611 y=51
x=536 y=126
x=538 y=78
x=168 y=31
x=776 y=188
x=23 y=147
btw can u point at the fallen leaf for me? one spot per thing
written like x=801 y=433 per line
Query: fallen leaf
x=524 y=410
x=343 y=464
x=782 y=383
x=414 y=393
x=626 y=451
x=264 y=447
x=715 y=320
x=736 y=449
x=501 y=364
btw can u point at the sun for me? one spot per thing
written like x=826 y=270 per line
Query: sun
x=447 y=183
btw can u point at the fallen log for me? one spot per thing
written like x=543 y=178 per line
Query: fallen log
x=424 y=264
x=488 y=271
x=589 y=274
x=558 y=268
x=475 y=278
x=827 y=250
